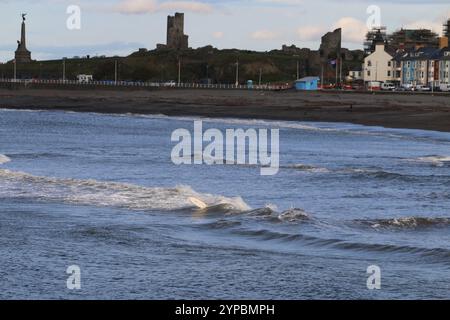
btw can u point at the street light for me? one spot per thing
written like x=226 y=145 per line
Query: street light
x=179 y=71
x=237 y=73
x=298 y=66
x=115 y=71
x=15 y=69
x=260 y=76
x=64 y=69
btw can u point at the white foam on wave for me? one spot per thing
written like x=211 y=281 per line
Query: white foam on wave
x=434 y=160
x=306 y=168
x=110 y=194
x=4 y=159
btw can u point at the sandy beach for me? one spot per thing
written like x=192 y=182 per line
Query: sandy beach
x=413 y=111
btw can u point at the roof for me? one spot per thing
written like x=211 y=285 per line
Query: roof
x=308 y=79
x=421 y=54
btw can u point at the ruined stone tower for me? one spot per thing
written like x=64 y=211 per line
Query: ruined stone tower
x=176 y=39
x=330 y=47
x=22 y=54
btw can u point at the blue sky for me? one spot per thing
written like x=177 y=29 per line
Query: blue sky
x=110 y=27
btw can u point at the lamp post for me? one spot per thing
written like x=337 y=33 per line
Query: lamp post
x=298 y=65
x=115 y=71
x=64 y=69
x=179 y=71
x=15 y=69
x=260 y=76
x=237 y=73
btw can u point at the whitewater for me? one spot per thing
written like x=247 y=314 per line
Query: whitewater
x=101 y=192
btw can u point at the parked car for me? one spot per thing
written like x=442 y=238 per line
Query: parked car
x=444 y=87
x=388 y=86
x=374 y=85
x=347 y=87
x=170 y=83
x=423 y=88
x=408 y=87
x=328 y=86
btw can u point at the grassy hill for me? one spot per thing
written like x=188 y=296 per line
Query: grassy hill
x=197 y=65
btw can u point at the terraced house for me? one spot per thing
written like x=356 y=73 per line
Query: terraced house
x=444 y=66
x=425 y=67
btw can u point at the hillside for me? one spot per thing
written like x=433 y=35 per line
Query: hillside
x=197 y=65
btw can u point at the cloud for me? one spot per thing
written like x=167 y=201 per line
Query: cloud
x=218 y=34
x=152 y=6
x=310 y=33
x=353 y=30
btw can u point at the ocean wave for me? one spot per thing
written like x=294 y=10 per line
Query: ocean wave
x=267 y=235
x=293 y=215
x=4 y=159
x=306 y=168
x=438 y=161
x=371 y=173
x=220 y=224
x=270 y=212
x=112 y=194
x=406 y=223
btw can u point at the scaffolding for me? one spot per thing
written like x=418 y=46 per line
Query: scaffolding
x=374 y=36
x=447 y=29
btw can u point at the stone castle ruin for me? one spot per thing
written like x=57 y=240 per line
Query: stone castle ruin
x=331 y=45
x=176 y=39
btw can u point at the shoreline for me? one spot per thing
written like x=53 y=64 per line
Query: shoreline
x=408 y=111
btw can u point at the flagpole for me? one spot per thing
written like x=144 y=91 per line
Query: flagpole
x=337 y=70
x=322 y=80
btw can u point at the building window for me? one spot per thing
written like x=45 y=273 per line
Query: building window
x=368 y=73
x=389 y=63
x=369 y=63
x=389 y=73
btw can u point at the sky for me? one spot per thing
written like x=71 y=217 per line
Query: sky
x=120 y=27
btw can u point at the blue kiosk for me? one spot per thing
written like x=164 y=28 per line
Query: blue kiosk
x=307 y=83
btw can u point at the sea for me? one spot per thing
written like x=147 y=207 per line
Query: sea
x=100 y=194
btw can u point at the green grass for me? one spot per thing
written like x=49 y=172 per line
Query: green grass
x=162 y=65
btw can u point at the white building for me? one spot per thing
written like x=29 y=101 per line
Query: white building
x=355 y=75
x=379 y=66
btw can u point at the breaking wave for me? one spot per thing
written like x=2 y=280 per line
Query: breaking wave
x=4 y=159
x=306 y=168
x=271 y=213
x=406 y=223
x=438 y=161
x=111 y=194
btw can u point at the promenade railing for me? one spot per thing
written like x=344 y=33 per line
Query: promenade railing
x=221 y=86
